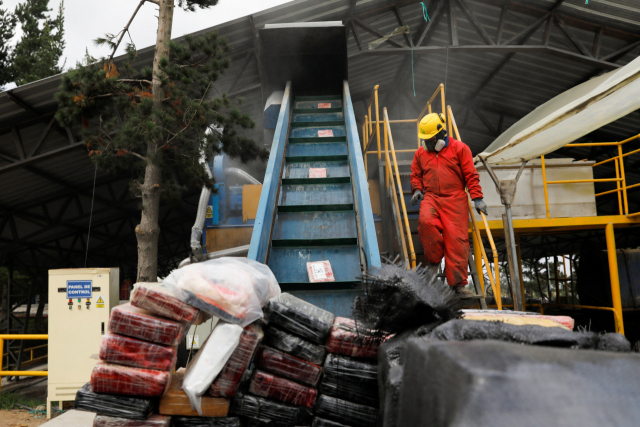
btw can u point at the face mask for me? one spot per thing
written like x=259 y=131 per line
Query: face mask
x=439 y=145
x=434 y=145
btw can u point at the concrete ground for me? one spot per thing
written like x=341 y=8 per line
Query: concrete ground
x=72 y=418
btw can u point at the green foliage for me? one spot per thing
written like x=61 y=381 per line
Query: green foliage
x=9 y=400
x=7 y=30
x=190 y=5
x=124 y=128
x=38 y=52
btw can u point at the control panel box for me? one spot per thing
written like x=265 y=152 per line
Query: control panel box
x=80 y=301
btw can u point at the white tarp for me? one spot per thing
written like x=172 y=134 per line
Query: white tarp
x=569 y=116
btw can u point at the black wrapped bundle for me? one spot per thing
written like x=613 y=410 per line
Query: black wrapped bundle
x=350 y=379
x=321 y=422
x=396 y=299
x=300 y=317
x=350 y=413
x=252 y=422
x=270 y=411
x=206 y=421
x=296 y=346
x=133 y=408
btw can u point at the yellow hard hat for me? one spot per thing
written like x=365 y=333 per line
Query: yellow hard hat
x=430 y=125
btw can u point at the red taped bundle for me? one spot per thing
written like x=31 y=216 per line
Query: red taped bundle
x=116 y=379
x=153 y=421
x=137 y=353
x=288 y=366
x=226 y=383
x=159 y=300
x=138 y=323
x=348 y=339
x=267 y=385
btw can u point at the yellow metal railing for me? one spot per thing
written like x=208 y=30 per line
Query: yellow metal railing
x=371 y=131
x=4 y=337
x=30 y=350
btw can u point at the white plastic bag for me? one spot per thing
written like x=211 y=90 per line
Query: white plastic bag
x=233 y=289
x=209 y=361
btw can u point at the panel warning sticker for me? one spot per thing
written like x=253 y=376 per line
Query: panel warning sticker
x=320 y=271
x=317 y=172
x=325 y=133
x=324 y=105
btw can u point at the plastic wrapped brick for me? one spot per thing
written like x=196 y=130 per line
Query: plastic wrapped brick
x=137 y=353
x=296 y=346
x=142 y=324
x=158 y=299
x=153 y=421
x=270 y=411
x=233 y=289
x=206 y=422
x=267 y=385
x=290 y=367
x=349 y=413
x=176 y=402
x=133 y=408
x=117 y=379
x=350 y=379
x=321 y=422
x=226 y=383
x=351 y=340
x=300 y=317
x=211 y=358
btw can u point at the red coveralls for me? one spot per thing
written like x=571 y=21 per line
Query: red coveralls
x=444 y=213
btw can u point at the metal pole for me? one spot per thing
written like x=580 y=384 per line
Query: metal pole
x=513 y=256
x=615 y=280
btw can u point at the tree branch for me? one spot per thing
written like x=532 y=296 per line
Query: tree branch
x=143 y=158
x=192 y=117
x=126 y=27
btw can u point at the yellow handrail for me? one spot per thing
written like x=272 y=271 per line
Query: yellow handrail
x=21 y=373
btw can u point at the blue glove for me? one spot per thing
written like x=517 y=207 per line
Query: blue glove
x=417 y=196
x=481 y=206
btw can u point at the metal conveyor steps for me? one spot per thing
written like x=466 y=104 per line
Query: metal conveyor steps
x=315 y=218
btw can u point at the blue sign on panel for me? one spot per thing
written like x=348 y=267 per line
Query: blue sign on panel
x=79 y=288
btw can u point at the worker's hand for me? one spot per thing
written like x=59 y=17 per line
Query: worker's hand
x=481 y=206
x=417 y=196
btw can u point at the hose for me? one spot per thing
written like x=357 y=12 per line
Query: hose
x=237 y=251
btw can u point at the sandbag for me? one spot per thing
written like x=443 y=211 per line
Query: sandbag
x=116 y=379
x=137 y=353
x=321 y=422
x=153 y=421
x=134 y=408
x=493 y=383
x=135 y=322
x=268 y=385
x=209 y=361
x=296 y=346
x=517 y=317
x=226 y=383
x=352 y=414
x=287 y=366
x=396 y=299
x=350 y=379
x=176 y=402
x=206 y=422
x=158 y=299
x=270 y=411
x=353 y=340
x=299 y=317
x=233 y=289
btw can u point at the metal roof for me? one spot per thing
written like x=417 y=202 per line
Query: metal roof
x=545 y=47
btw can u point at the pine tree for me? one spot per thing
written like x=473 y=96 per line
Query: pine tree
x=7 y=31
x=158 y=119
x=38 y=52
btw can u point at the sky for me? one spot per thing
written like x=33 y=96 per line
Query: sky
x=85 y=20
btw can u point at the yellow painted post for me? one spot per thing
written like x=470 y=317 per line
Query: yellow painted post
x=618 y=187
x=519 y=255
x=496 y=263
x=624 y=181
x=615 y=280
x=477 y=258
x=386 y=152
x=544 y=183
x=364 y=146
x=377 y=122
x=1 y=360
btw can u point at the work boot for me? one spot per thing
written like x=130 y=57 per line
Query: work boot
x=463 y=292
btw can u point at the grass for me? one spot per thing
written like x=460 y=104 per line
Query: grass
x=9 y=400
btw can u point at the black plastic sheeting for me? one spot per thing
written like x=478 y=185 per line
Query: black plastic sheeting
x=269 y=411
x=295 y=346
x=467 y=330
x=300 y=317
x=205 y=422
x=321 y=422
x=350 y=379
x=252 y=422
x=352 y=414
x=494 y=384
x=111 y=405
x=397 y=299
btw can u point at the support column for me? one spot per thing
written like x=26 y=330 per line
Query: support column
x=477 y=258
x=615 y=280
x=519 y=256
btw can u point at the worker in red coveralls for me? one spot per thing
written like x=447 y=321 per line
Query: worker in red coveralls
x=441 y=169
